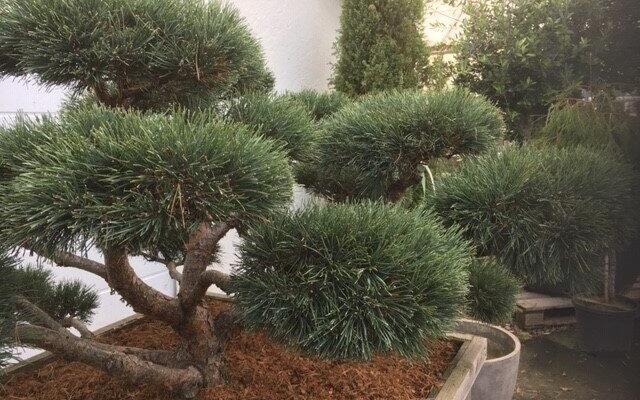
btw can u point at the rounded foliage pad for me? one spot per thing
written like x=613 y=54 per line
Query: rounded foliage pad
x=492 y=291
x=278 y=118
x=372 y=149
x=348 y=280
x=548 y=214
x=321 y=104
x=140 y=53
x=141 y=181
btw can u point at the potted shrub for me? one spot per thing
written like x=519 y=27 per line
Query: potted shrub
x=605 y=321
x=128 y=171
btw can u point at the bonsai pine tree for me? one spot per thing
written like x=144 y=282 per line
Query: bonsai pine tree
x=128 y=177
x=380 y=46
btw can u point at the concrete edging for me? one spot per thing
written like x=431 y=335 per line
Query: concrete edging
x=464 y=368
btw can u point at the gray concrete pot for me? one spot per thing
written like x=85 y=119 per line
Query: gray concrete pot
x=499 y=373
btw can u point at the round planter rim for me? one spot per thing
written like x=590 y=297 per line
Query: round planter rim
x=517 y=345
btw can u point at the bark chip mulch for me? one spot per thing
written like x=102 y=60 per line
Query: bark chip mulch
x=259 y=369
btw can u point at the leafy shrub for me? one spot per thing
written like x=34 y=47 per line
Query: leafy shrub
x=492 y=291
x=373 y=148
x=133 y=179
x=547 y=214
x=351 y=280
x=380 y=46
x=523 y=54
x=139 y=53
x=320 y=104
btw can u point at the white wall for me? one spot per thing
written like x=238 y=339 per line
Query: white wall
x=297 y=37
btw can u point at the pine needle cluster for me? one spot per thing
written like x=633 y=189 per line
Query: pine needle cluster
x=348 y=280
x=547 y=214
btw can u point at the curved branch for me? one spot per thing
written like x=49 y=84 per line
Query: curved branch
x=65 y=259
x=171 y=265
x=143 y=298
x=200 y=251
x=184 y=382
x=38 y=315
x=213 y=277
x=79 y=326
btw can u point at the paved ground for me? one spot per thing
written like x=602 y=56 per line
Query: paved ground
x=552 y=368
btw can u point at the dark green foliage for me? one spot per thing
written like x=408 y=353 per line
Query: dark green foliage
x=320 y=104
x=579 y=124
x=279 y=118
x=492 y=291
x=380 y=46
x=523 y=54
x=140 y=53
x=144 y=181
x=547 y=214
x=60 y=300
x=346 y=281
x=602 y=126
x=373 y=148
x=622 y=52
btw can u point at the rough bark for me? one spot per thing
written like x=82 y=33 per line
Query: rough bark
x=201 y=249
x=198 y=328
x=79 y=326
x=140 y=296
x=185 y=382
x=213 y=277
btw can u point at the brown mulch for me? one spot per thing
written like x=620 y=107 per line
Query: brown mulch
x=259 y=369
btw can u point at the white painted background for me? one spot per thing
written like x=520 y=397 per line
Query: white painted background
x=297 y=37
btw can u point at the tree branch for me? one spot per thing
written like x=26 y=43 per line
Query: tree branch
x=171 y=265
x=38 y=315
x=213 y=277
x=65 y=259
x=142 y=297
x=79 y=326
x=200 y=249
x=183 y=382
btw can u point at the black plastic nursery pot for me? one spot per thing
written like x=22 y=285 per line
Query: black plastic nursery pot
x=604 y=327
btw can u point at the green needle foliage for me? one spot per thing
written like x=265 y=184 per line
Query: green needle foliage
x=133 y=53
x=547 y=214
x=380 y=46
x=492 y=291
x=278 y=118
x=60 y=300
x=320 y=104
x=348 y=280
x=597 y=125
x=143 y=181
x=373 y=148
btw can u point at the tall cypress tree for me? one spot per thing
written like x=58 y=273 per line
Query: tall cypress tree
x=380 y=46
